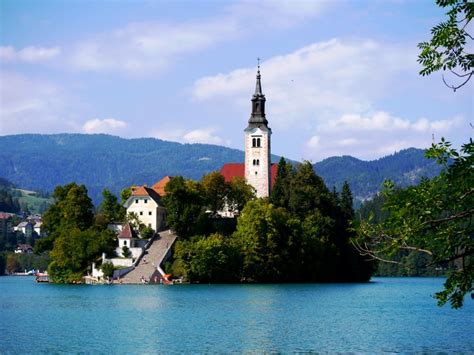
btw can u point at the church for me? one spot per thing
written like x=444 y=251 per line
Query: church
x=257 y=169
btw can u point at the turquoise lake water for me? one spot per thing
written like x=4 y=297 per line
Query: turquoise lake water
x=386 y=315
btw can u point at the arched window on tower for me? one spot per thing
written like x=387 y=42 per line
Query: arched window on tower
x=254 y=142
x=258 y=161
x=258 y=142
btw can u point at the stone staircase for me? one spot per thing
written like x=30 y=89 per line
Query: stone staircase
x=151 y=260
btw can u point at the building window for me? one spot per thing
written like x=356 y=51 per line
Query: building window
x=141 y=213
x=254 y=142
x=258 y=142
x=149 y=213
x=145 y=200
x=124 y=243
x=256 y=173
x=258 y=162
x=136 y=201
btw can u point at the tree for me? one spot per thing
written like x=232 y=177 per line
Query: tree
x=269 y=239
x=215 y=190
x=281 y=190
x=72 y=209
x=240 y=193
x=111 y=208
x=3 y=264
x=433 y=217
x=125 y=194
x=74 y=250
x=12 y=264
x=447 y=48
x=147 y=233
x=209 y=259
x=126 y=252
x=186 y=212
x=108 y=269
x=346 y=202
x=307 y=192
x=134 y=221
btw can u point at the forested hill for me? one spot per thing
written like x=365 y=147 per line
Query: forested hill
x=41 y=162
x=35 y=161
x=365 y=178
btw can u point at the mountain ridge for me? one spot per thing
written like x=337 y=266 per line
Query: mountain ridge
x=43 y=161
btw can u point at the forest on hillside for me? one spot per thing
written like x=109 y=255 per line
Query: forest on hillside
x=41 y=162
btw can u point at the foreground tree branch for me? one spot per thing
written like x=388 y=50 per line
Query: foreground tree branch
x=434 y=218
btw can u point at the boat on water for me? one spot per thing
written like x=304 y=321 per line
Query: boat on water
x=42 y=277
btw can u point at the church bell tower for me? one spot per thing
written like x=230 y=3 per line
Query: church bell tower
x=257 y=144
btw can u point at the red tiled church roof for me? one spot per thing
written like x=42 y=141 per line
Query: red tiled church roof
x=231 y=170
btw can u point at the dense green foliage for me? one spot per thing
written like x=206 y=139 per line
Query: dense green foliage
x=102 y=161
x=75 y=236
x=21 y=262
x=108 y=269
x=300 y=234
x=434 y=218
x=15 y=200
x=404 y=262
x=75 y=249
x=110 y=207
x=209 y=259
x=450 y=44
x=8 y=199
x=3 y=263
x=192 y=206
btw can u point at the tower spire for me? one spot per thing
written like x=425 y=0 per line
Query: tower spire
x=258 y=102
x=258 y=86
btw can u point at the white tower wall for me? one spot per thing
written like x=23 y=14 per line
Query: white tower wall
x=257 y=161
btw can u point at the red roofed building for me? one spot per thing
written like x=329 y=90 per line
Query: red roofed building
x=159 y=187
x=146 y=203
x=231 y=170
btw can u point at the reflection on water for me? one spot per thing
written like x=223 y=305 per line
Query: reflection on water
x=389 y=315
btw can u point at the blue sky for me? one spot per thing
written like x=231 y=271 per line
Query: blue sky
x=340 y=77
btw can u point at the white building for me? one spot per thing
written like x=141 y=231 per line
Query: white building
x=146 y=203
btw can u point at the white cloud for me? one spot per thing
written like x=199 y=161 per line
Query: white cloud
x=373 y=135
x=313 y=142
x=258 y=14
x=316 y=82
x=171 y=134
x=107 y=125
x=206 y=135
x=327 y=98
x=31 y=54
x=383 y=121
x=33 y=105
x=143 y=48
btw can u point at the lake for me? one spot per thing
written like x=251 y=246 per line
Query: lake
x=385 y=315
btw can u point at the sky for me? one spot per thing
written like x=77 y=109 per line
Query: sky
x=340 y=77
